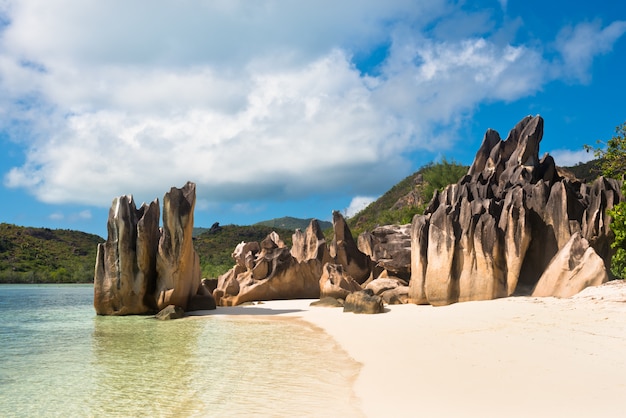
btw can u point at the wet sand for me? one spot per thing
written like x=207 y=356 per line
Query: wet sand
x=513 y=357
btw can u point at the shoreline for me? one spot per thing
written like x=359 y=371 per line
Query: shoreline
x=517 y=356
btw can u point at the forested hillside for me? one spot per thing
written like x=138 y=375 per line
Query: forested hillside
x=42 y=255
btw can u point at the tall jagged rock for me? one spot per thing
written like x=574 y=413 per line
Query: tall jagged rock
x=125 y=271
x=310 y=244
x=141 y=269
x=494 y=233
x=178 y=264
x=344 y=251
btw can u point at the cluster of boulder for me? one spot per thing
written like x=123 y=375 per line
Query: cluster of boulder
x=143 y=268
x=311 y=269
x=514 y=225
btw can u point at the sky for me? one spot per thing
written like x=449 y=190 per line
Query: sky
x=284 y=108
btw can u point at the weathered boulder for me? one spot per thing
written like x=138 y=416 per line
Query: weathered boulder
x=494 y=233
x=207 y=286
x=170 y=312
x=336 y=283
x=575 y=267
x=384 y=283
x=125 y=271
x=275 y=274
x=178 y=264
x=344 y=251
x=389 y=247
x=201 y=303
x=396 y=296
x=269 y=270
x=363 y=302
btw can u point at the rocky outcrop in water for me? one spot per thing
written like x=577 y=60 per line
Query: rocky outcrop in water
x=141 y=269
x=494 y=233
x=125 y=271
x=178 y=264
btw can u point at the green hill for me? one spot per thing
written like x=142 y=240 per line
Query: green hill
x=407 y=198
x=287 y=222
x=42 y=255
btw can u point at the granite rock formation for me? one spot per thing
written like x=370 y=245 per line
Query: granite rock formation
x=141 y=269
x=336 y=283
x=170 y=312
x=269 y=270
x=494 y=233
x=389 y=248
x=363 y=302
x=178 y=264
x=344 y=251
x=125 y=272
x=575 y=267
x=273 y=273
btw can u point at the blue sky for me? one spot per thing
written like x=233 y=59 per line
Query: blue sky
x=284 y=108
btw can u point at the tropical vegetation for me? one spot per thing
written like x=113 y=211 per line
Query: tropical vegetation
x=613 y=164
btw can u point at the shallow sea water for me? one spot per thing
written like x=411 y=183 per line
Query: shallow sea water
x=60 y=359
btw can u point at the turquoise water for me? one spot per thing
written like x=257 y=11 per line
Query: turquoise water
x=60 y=359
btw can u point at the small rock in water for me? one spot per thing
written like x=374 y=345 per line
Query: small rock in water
x=170 y=312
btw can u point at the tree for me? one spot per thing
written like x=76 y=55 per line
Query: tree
x=612 y=154
x=613 y=157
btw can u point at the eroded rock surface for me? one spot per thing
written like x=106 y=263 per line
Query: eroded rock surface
x=364 y=302
x=575 y=267
x=141 y=269
x=494 y=233
x=125 y=272
x=269 y=270
x=178 y=264
x=336 y=283
x=389 y=248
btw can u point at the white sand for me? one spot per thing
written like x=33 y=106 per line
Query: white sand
x=515 y=357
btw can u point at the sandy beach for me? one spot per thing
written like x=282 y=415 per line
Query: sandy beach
x=513 y=357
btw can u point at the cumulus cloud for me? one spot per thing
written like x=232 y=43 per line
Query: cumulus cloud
x=357 y=204
x=580 y=44
x=248 y=100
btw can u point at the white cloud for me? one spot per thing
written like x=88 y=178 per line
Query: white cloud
x=580 y=44
x=568 y=158
x=357 y=204
x=84 y=214
x=56 y=216
x=248 y=100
